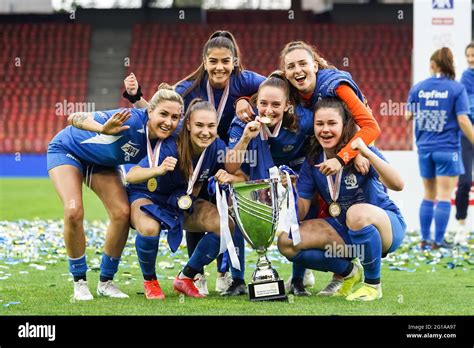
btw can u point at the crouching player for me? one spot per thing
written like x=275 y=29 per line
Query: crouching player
x=162 y=196
x=361 y=212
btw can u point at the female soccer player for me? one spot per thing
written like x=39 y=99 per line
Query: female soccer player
x=440 y=107
x=281 y=141
x=312 y=78
x=464 y=185
x=361 y=212
x=91 y=149
x=162 y=195
x=219 y=79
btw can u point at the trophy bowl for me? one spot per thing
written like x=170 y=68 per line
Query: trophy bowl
x=256 y=207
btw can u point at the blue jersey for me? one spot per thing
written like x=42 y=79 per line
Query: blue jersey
x=435 y=103
x=285 y=149
x=128 y=146
x=245 y=84
x=467 y=80
x=175 y=181
x=355 y=187
x=327 y=81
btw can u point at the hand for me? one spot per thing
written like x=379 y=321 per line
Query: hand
x=244 y=110
x=361 y=164
x=329 y=167
x=284 y=181
x=252 y=129
x=131 y=84
x=223 y=177
x=359 y=145
x=114 y=124
x=168 y=165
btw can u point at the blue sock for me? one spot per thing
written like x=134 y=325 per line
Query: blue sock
x=78 y=267
x=298 y=271
x=441 y=217
x=108 y=267
x=239 y=244
x=371 y=242
x=316 y=259
x=426 y=216
x=147 y=249
x=206 y=251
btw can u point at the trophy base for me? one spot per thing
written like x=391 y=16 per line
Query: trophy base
x=267 y=291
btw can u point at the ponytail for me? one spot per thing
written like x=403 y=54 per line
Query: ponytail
x=444 y=60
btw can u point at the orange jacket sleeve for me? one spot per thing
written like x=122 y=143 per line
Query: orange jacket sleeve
x=369 y=128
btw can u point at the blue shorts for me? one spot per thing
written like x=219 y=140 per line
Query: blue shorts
x=440 y=163
x=398 y=230
x=57 y=156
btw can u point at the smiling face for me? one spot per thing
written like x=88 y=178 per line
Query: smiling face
x=202 y=127
x=272 y=102
x=328 y=126
x=164 y=119
x=219 y=66
x=470 y=57
x=300 y=70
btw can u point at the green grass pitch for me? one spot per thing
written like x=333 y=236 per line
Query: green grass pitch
x=45 y=289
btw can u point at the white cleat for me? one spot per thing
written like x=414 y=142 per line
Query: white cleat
x=223 y=283
x=109 y=289
x=332 y=288
x=81 y=291
x=461 y=237
x=201 y=283
x=308 y=280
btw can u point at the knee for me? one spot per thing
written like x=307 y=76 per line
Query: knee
x=74 y=214
x=285 y=246
x=149 y=230
x=357 y=218
x=120 y=213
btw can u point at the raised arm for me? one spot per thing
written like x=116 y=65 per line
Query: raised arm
x=388 y=175
x=114 y=125
x=132 y=88
x=235 y=156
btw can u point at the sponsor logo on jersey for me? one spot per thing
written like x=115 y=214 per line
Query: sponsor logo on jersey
x=130 y=151
x=204 y=175
x=288 y=148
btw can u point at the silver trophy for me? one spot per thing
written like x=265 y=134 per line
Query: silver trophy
x=256 y=207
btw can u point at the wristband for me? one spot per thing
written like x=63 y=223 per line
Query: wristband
x=133 y=98
x=341 y=161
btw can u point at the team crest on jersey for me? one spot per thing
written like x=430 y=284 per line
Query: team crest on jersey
x=351 y=182
x=288 y=148
x=129 y=151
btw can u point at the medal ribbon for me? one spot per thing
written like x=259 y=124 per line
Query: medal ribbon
x=334 y=186
x=226 y=242
x=266 y=133
x=196 y=170
x=288 y=219
x=153 y=155
x=223 y=101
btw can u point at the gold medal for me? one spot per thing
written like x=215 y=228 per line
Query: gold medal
x=334 y=209
x=185 y=202
x=152 y=184
x=264 y=120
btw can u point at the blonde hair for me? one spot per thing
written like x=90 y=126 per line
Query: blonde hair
x=165 y=93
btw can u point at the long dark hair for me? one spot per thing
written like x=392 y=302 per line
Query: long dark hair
x=219 y=39
x=348 y=131
x=444 y=59
x=184 y=144
x=277 y=79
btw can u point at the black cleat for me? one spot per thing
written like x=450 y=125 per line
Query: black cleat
x=297 y=288
x=237 y=288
